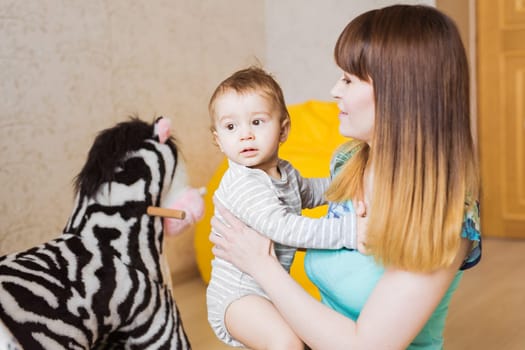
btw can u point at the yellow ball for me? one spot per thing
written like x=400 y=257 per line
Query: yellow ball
x=313 y=138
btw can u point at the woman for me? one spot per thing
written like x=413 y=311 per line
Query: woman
x=404 y=98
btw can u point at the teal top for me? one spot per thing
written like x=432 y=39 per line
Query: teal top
x=346 y=278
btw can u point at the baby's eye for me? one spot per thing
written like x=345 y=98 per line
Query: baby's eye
x=230 y=126
x=257 y=122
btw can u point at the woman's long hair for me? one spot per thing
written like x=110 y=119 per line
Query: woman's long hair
x=422 y=153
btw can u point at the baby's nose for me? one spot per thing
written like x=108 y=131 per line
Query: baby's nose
x=247 y=134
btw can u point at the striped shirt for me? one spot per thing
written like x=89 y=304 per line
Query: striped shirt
x=273 y=208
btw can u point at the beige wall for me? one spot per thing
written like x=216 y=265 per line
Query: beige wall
x=71 y=68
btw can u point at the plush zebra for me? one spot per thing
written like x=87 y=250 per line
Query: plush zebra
x=100 y=284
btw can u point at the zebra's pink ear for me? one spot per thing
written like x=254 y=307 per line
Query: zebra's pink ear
x=162 y=129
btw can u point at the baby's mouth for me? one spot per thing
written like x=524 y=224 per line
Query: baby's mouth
x=249 y=150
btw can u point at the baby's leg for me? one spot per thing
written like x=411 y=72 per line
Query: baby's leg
x=255 y=322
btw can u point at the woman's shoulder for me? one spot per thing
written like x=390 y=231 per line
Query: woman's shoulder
x=344 y=153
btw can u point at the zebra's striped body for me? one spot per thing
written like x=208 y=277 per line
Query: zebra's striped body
x=100 y=285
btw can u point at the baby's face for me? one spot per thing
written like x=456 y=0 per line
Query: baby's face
x=248 y=129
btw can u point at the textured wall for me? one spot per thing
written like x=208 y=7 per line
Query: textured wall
x=71 y=68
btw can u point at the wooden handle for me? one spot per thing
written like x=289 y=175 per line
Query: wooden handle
x=166 y=213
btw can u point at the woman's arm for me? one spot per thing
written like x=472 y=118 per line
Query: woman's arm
x=395 y=312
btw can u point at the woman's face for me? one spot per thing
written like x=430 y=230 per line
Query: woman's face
x=355 y=99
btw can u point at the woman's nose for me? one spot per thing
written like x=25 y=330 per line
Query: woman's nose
x=335 y=90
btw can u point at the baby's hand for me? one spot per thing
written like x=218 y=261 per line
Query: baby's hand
x=362 y=225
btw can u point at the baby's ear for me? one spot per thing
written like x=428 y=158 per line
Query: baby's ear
x=285 y=130
x=217 y=141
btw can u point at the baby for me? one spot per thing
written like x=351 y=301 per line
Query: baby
x=249 y=122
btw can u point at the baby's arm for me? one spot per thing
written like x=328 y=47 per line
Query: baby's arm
x=312 y=190
x=257 y=205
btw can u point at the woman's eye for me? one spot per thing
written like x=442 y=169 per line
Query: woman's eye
x=346 y=80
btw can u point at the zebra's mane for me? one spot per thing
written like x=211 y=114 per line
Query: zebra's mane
x=109 y=150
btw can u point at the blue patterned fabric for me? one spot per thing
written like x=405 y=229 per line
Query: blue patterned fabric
x=471 y=230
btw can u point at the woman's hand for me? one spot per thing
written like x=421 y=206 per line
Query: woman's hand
x=239 y=244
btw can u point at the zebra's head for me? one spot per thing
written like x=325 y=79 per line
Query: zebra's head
x=129 y=167
x=130 y=152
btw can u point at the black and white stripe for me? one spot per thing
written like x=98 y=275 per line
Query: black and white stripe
x=100 y=285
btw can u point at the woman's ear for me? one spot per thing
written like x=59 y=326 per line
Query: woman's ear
x=285 y=129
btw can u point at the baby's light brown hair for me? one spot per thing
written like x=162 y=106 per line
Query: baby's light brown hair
x=251 y=80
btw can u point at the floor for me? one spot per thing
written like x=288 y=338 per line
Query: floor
x=486 y=313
